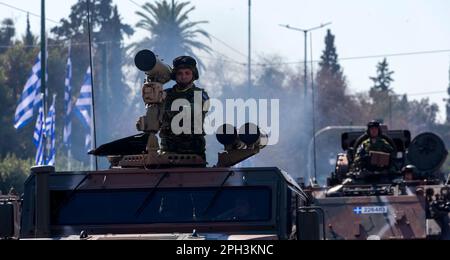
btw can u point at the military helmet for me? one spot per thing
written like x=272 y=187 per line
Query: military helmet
x=410 y=168
x=185 y=62
x=374 y=123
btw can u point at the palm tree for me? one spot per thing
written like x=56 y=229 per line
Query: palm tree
x=171 y=32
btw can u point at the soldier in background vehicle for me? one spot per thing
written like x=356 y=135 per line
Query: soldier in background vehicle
x=374 y=145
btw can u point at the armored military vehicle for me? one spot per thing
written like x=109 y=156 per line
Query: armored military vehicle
x=9 y=216
x=151 y=195
x=409 y=200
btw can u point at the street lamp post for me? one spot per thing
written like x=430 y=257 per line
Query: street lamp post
x=249 y=46
x=305 y=31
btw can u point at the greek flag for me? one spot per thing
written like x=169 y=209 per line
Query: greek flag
x=50 y=122
x=39 y=135
x=67 y=103
x=39 y=121
x=29 y=99
x=83 y=108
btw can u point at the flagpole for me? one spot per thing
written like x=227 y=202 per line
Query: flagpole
x=43 y=57
x=92 y=80
x=69 y=146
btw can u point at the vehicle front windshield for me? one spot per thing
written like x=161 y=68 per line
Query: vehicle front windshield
x=164 y=206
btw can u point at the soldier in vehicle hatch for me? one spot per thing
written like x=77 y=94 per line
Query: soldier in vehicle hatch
x=374 y=145
x=185 y=73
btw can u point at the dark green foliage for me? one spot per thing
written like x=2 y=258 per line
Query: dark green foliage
x=111 y=91
x=16 y=64
x=329 y=60
x=13 y=173
x=7 y=33
x=29 y=39
x=334 y=105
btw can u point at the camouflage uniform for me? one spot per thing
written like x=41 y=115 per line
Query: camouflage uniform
x=184 y=143
x=362 y=154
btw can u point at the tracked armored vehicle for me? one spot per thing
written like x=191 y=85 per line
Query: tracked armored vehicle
x=409 y=200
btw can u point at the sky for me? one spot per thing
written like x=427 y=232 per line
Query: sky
x=362 y=27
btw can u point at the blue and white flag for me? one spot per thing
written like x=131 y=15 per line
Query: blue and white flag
x=83 y=108
x=68 y=103
x=29 y=100
x=39 y=136
x=39 y=121
x=50 y=124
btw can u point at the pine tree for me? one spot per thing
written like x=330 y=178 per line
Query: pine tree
x=29 y=40
x=383 y=97
x=329 y=60
x=334 y=106
x=383 y=80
